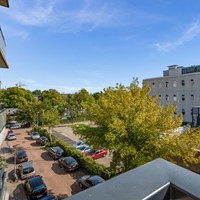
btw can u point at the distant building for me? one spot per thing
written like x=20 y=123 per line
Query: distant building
x=180 y=86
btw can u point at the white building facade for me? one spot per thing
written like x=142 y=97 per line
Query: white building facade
x=181 y=87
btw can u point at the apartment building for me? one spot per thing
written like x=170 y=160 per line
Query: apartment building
x=179 y=86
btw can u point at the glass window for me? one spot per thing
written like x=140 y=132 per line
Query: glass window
x=167 y=97
x=192 y=81
x=183 y=111
x=167 y=84
x=174 y=98
x=153 y=85
x=160 y=96
x=183 y=97
x=174 y=84
x=192 y=97
x=183 y=82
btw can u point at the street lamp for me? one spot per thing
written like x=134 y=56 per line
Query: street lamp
x=15 y=165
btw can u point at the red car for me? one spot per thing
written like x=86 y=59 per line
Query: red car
x=97 y=153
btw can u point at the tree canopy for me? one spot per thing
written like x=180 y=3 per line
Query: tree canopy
x=136 y=127
x=16 y=97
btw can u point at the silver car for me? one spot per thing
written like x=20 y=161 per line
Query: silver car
x=26 y=170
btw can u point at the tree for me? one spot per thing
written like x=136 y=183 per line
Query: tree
x=76 y=103
x=16 y=97
x=54 y=99
x=51 y=118
x=132 y=124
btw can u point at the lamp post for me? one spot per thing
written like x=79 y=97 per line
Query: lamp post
x=15 y=167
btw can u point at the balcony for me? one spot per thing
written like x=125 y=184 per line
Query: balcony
x=3 y=63
x=4 y=3
x=156 y=180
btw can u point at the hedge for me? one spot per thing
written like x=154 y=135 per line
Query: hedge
x=87 y=163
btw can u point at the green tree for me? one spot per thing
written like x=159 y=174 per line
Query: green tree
x=16 y=97
x=54 y=99
x=51 y=118
x=130 y=123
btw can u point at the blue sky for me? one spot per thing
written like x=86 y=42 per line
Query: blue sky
x=93 y=44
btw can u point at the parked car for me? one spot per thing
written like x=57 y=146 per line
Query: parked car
x=26 y=170
x=83 y=148
x=21 y=156
x=68 y=163
x=89 y=181
x=35 y=188
x=10 y=131
x=97 y=153
x=42 y=140
x=11 y=136
x=35 y=135
x=79 y=143
x=15 y=126
x=55 y=152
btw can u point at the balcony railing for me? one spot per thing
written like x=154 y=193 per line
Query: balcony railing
x=157 y=180
x=2 y=44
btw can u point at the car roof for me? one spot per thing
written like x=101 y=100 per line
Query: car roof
x=21 y=151
x=96 y=179
x=56 y=148
x=35 y=181
x=26 y=164
x=69 y=159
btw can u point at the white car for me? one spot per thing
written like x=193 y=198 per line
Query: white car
x=35 y=135
x=84 y=148
x=15 y=126
x=11 y=136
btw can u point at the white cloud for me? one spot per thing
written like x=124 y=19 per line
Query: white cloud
x=65 y=14
x=189 y=34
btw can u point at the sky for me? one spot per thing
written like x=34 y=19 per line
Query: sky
x=68 y=45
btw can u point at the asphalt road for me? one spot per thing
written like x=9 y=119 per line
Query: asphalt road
x=65 y=133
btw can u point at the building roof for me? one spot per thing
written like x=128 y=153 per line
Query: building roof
x=4 y=3
x=155 y=180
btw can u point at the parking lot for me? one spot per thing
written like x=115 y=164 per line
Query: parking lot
x=57 y=180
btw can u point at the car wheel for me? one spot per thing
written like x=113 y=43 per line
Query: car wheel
x=66 y=170
x=60 y=165
x=80 y=185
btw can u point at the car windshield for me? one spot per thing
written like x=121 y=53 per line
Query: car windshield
x=35 y=133
x=28 y=170
x=91 y=152
x=57 y=150
x=79 y=143
x=70 y=161
x=11 y=135
x=21 y=153
x=81 y=148
x=39 y=187
x=96 y=179
x=44 y=138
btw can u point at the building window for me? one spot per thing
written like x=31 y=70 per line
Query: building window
x=183 y=97
x=192 y=97
x=192 y=81
x=159 y=96
x=167 y=84
x=153 y=85
x=183 y=111
x=174 y=83
x=174 y=98
x=183 y=82
x=167 y=98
